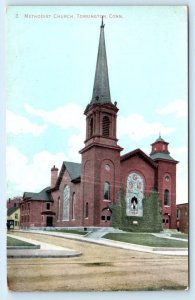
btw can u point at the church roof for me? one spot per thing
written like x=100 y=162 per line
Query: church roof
x=101 y=88
x=162 y=155
x=42 y=195
x=160 y=139
x=11 y=210
x=74 y=169
x=140 y=153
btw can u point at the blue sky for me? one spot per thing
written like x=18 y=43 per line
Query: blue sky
x=51 y=67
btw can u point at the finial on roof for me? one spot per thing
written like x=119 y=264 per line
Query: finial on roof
x=102 y=25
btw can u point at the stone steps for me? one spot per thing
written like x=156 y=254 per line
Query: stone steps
x=99 y=233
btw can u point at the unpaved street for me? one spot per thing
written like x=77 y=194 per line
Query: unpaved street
x=98 y=269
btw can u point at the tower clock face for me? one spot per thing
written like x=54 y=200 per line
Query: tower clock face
x=167 y=178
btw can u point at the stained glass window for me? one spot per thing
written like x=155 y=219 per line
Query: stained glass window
x=66 y=197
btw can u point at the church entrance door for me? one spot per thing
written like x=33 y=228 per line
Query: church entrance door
x=106 y=216
x=166 y=221
x=49 y=221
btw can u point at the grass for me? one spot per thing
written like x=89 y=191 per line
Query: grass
x=145 y=239
x=183 y=236
x=72 y=231
x=15 y=242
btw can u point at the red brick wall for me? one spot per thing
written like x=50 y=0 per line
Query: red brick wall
x=94 y=175
x=182 y=217
x=15 y=202
x=90 y=190
x=166 y=168
x=58 y=199
x=140 y=166
x=31 y=216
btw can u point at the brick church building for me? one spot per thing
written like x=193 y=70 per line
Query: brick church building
x=83 y=194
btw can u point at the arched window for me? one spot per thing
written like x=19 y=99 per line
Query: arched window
x=58 y=208
x=86 y=210
x=66 y=196
x=73 y=206
x=105 y=126
x=106 y=190
x=166 y=197
x=91 y=127
x=134 y=195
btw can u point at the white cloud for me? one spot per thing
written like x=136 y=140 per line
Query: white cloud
x=75 y=143
x=24 y=175
x=177 y=107
x=136 y=128
x=17 y=124
x=68 y=116
x=180 y=153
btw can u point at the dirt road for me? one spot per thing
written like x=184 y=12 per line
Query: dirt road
x=98 y=269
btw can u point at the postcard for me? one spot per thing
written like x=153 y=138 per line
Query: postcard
x=97 y=148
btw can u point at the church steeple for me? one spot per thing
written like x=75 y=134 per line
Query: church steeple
x=101 y=89
x=101 y=113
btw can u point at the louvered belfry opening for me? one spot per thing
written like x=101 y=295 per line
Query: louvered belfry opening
x=106 y=126
x=91 y=127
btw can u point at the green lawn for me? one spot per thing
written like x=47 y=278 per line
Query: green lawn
x=145 y=239
x=183 y=236
x=15 y=242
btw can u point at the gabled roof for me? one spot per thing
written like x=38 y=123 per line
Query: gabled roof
x=140 y=153
x=42 y=195
x=73 y=169
x=11 y=210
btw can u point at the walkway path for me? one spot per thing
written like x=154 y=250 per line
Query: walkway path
x=46 y=250
x=95 y=239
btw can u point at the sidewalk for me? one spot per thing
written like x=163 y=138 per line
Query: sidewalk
x=116 y=244
x=46 y=250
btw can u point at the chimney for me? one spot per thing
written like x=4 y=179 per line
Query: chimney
x=54 y=176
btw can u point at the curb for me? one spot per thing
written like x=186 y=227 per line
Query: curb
x=42 y=254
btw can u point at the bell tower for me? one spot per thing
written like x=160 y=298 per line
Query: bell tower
x=101 y=113
x=101 y=154
x=165 y=181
